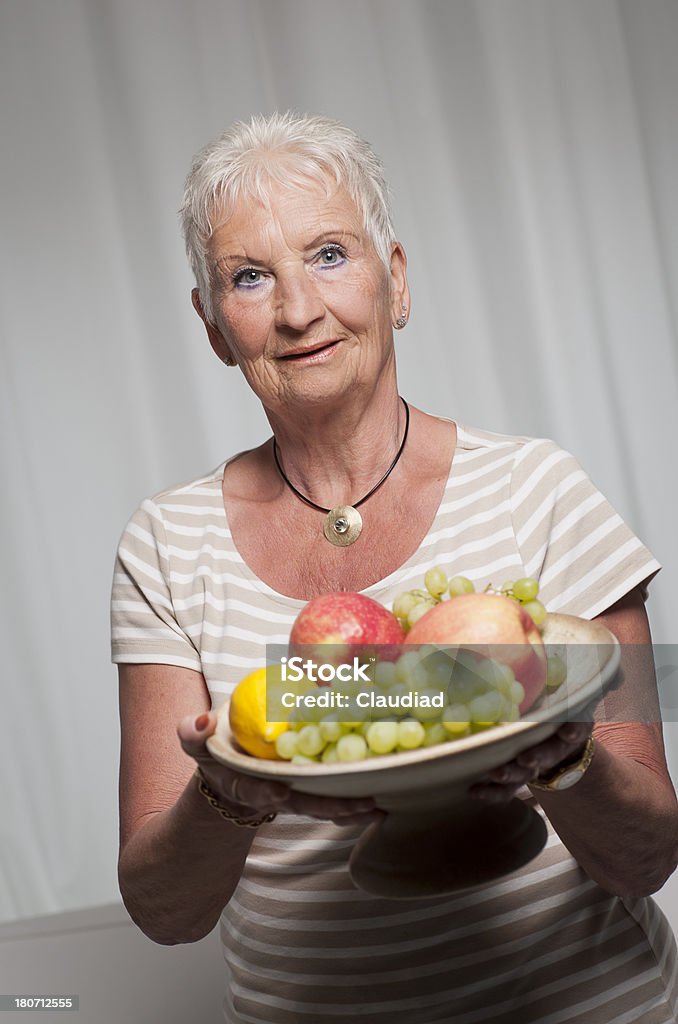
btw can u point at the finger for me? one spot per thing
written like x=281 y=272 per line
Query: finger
x=575 y=733
x=194 y=730
x=557 y=748
x=513 y=773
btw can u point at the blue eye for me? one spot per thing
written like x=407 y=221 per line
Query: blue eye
x=331 y=256
x=248 y=277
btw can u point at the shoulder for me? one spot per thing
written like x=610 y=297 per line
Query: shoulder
x=514 y=450
x=175 y=513
x=189 y=491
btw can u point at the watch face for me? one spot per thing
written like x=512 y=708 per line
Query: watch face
x=569 y=778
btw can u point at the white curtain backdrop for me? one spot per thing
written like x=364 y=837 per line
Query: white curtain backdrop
x=532 y=148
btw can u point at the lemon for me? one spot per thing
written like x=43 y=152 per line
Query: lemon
x=247 y=711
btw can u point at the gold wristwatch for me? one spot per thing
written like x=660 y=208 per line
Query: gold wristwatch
x=570 y=774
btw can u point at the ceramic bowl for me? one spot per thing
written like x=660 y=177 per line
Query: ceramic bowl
x=435 y=838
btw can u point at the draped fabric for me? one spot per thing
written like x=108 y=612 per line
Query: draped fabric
x=531 y=148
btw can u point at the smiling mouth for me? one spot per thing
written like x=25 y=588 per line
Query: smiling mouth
x=310 y=351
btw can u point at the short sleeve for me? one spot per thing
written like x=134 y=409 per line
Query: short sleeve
x=144 y=627
x=569 y=536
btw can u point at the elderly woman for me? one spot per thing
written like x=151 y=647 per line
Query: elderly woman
x=300 y=283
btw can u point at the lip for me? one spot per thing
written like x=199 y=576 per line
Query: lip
x=311 y=353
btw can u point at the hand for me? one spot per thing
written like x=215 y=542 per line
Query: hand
x=504 y=782
x=250 y=797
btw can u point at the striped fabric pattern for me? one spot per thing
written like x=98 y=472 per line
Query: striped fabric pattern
x=544 y=944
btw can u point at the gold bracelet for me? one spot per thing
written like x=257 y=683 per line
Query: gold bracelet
x=231 y=816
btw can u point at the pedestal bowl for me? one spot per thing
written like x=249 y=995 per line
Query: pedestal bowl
x=434 y=837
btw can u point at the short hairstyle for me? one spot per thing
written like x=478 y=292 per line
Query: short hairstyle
x=291 y=149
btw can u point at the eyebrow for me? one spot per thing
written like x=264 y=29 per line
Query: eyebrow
x=332 y=233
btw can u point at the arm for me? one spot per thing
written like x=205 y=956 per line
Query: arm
x=620 y=822
x=179 y=859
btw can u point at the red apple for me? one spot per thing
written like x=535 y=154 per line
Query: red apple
x=352 y=621
x=494 y=626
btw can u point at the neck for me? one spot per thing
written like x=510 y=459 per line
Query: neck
x=335 y=457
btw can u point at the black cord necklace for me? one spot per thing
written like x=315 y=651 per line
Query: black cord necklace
x=344 y=524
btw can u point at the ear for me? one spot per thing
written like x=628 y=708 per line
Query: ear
x=217 y=342
x=400 y=289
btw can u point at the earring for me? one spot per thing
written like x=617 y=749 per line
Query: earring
x=402 y=320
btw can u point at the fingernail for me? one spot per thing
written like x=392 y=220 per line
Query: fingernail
x=201 y=722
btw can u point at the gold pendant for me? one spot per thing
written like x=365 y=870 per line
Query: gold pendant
x=343 y=525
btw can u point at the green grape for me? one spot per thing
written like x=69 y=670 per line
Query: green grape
x=435 y=733
x=488 y=707
x=525 y=589
x=507 y=588
x=556 y=671
x=465 y=683
x=460 y=585
x=420 y=610
x=351 y=747
x=377 y=713
x=428 y=714
x=537 y=611
x=409 y=668
x=385 y=674
x=439 y=667
x=517 y=694
x=296 y=719
x=404 y=603
x=347 y=687
x=312 y=715
x=455 y=720
x=330 y=729
x=354 y=713
x=411 y=734
x=302 y=759
x=397 y=692
x=309 y=741
x=329 y=754
x=286 y=744
x=436 y=581
x=497 y=675
x=382 y=737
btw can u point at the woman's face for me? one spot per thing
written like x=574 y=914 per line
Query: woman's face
x=301 y=300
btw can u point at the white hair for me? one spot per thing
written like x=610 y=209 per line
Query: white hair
x=290 y=149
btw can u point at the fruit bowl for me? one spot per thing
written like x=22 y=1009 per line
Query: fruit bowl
x=435 y=838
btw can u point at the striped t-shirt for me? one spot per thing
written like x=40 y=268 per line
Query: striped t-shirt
x=301 y=943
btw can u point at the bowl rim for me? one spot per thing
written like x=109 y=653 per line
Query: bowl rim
x=223 y=748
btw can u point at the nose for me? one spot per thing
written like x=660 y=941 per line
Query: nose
x=298 y=302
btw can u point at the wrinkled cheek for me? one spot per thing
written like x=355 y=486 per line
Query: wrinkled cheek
x=246 y=332
x=362 y=307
